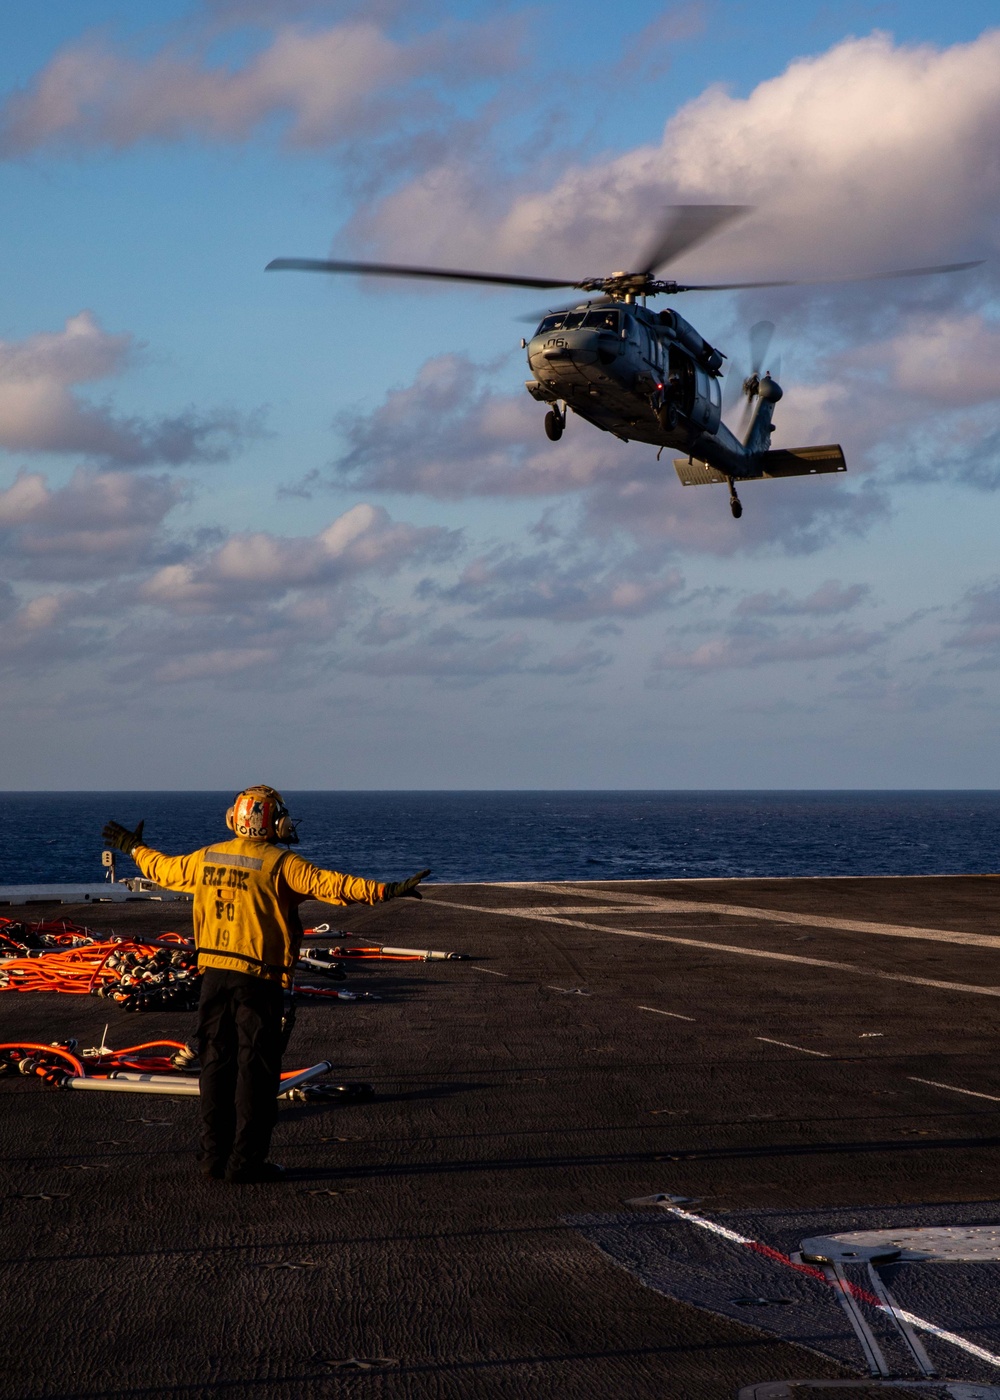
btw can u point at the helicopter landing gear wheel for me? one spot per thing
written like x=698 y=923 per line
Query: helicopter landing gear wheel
x=735 y=505
x=554 y=424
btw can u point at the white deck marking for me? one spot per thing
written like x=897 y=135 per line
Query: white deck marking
x=918 y=1322
x=657 y=1012
x=972 y=1093
x=665 y=905
x=968 y=988
x=491 y=970
x=786 y=1046
x=571 y=909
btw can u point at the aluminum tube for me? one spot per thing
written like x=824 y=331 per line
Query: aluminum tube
x=428 y=955
x=129 y=1086
x=304 y=1076
x=150 y=1077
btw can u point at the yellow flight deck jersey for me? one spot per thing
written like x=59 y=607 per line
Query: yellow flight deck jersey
x=246 y=901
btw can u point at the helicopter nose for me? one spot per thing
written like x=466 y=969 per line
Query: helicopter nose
x=571 y=345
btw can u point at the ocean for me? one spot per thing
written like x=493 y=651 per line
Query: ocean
x=468 y=836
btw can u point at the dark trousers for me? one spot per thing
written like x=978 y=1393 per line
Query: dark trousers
x=239 y=1044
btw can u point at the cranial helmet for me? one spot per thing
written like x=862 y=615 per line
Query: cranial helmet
x=259 y=814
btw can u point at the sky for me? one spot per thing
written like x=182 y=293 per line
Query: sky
x=309 y=531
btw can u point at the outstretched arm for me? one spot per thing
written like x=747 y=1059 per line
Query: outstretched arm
x=169 y=872
x=330 y=887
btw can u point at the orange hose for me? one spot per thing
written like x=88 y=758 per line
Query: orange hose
x=49 y=1050
x=148 y=1045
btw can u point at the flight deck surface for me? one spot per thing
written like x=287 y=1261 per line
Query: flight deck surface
x=779 y=1061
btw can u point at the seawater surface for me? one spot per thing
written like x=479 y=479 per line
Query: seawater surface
x=468 y=836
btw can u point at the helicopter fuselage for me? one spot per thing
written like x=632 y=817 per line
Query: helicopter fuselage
x=643 y=375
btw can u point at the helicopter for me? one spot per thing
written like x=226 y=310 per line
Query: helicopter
x=645 y=375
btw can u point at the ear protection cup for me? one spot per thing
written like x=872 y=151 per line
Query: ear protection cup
x=229 y=819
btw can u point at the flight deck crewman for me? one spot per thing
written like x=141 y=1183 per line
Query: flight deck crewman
x=247 y=893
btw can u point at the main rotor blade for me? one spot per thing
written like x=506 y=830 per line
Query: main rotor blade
x=830 y=281
x=733 y=390
x=687 y=225
x=366 y=269
x=760 y=340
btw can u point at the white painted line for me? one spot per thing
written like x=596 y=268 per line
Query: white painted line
x=779 y=1258
x=666 y=905
x=675 y=1014
x=492 y=971
x=972 y=1093
x=968 y=988
x=570 y=909
x=785 y=1046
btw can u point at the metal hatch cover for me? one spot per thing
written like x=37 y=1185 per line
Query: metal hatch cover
x=937 y=1244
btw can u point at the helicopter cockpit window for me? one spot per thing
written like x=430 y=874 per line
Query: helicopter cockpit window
x=606 y=319
x=573 y=318
x=555 y=322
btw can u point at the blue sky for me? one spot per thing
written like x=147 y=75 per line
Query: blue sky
x=309 y=530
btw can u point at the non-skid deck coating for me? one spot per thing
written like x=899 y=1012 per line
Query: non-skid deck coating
x=789 y=1053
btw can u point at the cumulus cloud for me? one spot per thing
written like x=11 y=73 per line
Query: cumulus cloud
x=565 y=585
x=868 y=153
x=450 y=434
x=321 y=84
x=41 y=409
x=249 y=567
x=97 y=568
x=97 y=526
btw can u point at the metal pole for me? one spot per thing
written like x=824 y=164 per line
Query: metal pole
x=129 y=1086
x=144 y=1077
x=134 y=1082
x=304 y=1076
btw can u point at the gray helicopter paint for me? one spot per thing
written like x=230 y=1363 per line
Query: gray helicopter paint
x=614 y=381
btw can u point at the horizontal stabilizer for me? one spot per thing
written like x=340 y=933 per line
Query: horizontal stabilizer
x=804 y=461
x=789 y=461
x=695 y=473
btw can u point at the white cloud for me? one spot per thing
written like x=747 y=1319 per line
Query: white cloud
x=97 y=526
x=41 y=410
x=322 y=84
x=868 y=155
x=449 y=434
x=562 y=584
x=248 y=568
